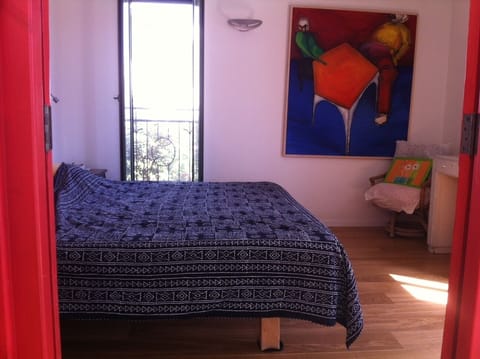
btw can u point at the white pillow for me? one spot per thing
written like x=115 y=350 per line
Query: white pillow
x=394 y=197
x=409 y=149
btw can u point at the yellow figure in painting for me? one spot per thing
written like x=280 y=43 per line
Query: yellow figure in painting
x=395 y=35
x=387 y=45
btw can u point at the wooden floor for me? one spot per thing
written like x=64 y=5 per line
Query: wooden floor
x=397 y=324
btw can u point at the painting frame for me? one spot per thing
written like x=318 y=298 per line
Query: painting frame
x=343 y=80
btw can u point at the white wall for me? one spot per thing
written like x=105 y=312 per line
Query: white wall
x=84 y=76
x=245 y=79
x=456 y=72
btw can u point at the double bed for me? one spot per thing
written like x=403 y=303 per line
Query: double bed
x=151 y=250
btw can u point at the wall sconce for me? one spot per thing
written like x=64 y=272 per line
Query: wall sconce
x=244 y=24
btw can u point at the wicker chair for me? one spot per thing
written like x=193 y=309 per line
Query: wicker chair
x=401 y=222
x=408 y=206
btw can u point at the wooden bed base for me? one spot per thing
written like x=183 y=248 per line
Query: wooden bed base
x=270 y=334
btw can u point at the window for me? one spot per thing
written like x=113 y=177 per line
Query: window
x=161 y=89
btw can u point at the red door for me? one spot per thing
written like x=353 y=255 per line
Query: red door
x=29 y=325
x=462 y=322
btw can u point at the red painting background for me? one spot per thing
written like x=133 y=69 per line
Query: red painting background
x=333 y=27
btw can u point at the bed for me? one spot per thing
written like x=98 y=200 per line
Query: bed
x=151 y=250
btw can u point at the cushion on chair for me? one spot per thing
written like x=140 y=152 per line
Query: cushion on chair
x=409 y=171
x=397 y=197
x=394 y=197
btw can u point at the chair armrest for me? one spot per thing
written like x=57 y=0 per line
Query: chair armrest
x=377 y=179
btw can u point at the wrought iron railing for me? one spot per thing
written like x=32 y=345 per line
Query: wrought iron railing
x=162 y=150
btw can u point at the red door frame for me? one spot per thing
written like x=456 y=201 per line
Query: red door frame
x=461 y=332
x=29 y=324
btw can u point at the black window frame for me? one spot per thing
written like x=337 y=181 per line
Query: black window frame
x=121 y=99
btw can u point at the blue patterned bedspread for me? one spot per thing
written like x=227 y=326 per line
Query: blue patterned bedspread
x=146 y=250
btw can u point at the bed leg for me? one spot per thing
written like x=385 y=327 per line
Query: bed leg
x=270 y=334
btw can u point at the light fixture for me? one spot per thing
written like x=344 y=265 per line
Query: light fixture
x=244 y=24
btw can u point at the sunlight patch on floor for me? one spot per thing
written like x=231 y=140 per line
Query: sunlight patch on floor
x=424 y=290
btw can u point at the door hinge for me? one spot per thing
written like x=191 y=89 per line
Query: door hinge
x=47 y=126
x=469 y=141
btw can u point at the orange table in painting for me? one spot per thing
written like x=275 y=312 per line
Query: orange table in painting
x=341 y=80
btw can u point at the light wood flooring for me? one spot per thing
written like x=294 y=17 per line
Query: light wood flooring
x=397 y=325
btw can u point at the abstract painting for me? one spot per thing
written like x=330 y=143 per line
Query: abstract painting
x=349 y=82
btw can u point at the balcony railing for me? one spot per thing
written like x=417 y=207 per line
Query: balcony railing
x=162 y=150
